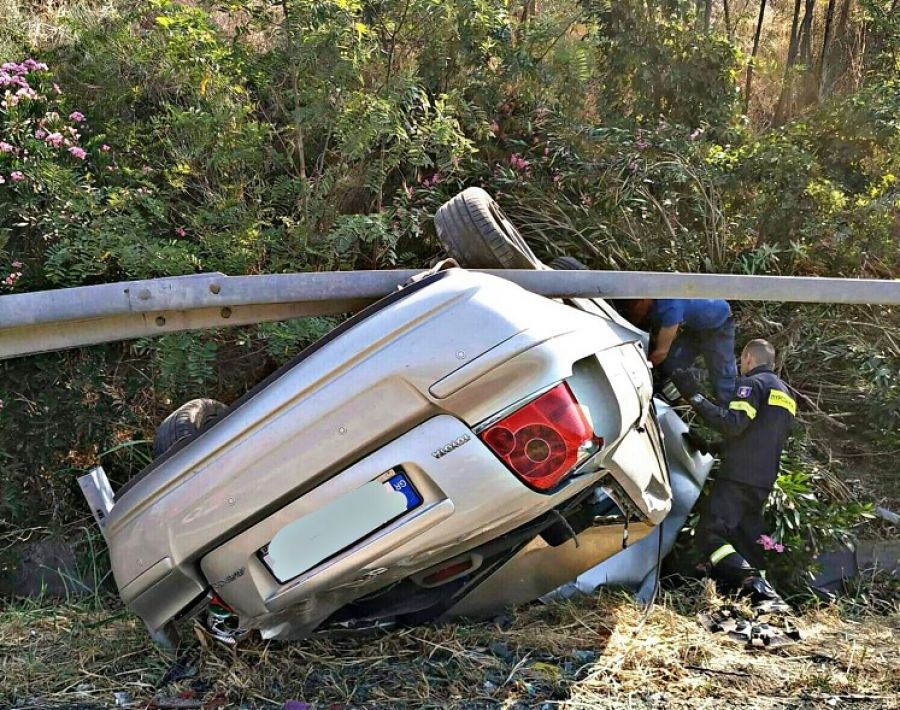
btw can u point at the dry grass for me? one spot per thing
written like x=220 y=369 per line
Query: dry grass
x=600 y=652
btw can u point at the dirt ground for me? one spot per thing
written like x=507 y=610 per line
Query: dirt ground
x=596 y=652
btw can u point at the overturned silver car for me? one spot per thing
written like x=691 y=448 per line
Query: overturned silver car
x=458 y=446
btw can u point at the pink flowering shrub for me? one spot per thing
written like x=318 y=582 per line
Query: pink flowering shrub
x=769 y=544
x=96 y=216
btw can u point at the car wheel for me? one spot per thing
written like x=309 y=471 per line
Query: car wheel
x=187 y=422
x=567 y=263
x=475 y=232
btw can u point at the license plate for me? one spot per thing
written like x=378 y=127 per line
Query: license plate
x=315 y=537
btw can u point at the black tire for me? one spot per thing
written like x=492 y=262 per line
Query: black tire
x=187 y=422
x=567 y=263
x=475 y=232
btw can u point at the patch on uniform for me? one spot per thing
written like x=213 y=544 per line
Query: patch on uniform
x=743 y=392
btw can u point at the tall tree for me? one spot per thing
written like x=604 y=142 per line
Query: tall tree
x=784 y=98
x=820 y=79
x=806 y=34
x=759 y=24
x=835 y=60
x=727 y=12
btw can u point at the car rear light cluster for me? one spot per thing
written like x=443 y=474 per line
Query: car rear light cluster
x=545 y=440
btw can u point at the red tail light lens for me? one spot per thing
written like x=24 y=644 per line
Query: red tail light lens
x=544 y=440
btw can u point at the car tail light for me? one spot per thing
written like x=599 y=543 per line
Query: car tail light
x=545 y=440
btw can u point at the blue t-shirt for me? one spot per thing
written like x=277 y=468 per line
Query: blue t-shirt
x=691 y=313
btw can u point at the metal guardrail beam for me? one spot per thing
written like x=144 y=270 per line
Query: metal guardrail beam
x=54 y=320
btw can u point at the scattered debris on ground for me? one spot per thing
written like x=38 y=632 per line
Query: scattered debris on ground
x=596 y=652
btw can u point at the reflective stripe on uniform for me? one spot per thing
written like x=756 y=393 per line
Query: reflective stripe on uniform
x=778 y=398
x=721 y=553
x=742 y=406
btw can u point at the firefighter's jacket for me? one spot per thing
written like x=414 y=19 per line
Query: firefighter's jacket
x=755 y=425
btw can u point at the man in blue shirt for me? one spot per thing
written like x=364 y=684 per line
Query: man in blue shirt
x=684 y=328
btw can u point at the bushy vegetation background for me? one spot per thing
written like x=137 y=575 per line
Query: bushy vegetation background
x=151 y=138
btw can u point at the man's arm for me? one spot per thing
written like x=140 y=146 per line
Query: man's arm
x=730 y=421
x=664 y=340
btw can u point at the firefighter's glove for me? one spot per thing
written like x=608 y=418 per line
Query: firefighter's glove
x=702 y=445
x=686 y=383
x=696 y=441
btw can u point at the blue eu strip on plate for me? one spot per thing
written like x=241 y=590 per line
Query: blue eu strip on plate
x=401 y=484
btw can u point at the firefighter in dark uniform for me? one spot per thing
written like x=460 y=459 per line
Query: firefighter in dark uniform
x=755 y=425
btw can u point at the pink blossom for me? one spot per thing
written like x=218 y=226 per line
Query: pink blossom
x=77 y=152
x=495 y=128
x=146 y=169
x=32 y=65
x=26 y=92
x=769 y=544
x=1 y=404
x=181 y=232
x=40 y=134
x=54 y=139
x=9 y=80
x=17 y=264
x=104 y=148
x=696 y=133
x=2 y=180
x=57 y=89
x=76 y=116
x=6 y=147
x=432 y=181
x=16 y=176
x=517 y=162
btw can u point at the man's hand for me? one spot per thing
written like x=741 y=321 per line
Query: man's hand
x=696 y=441
x=701 y=444
x=685 y=382
x=658 y=356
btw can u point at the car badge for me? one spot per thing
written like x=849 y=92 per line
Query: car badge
x=447 y=448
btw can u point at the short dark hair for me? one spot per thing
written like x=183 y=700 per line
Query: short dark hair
x=762 y=351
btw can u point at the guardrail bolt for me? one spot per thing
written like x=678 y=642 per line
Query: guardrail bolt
x=144 y=294
x=160 y=321
x=214 y=288
x=226 y=312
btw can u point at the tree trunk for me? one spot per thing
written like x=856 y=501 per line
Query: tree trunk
x=829 y=17
x=836 y=59
x=759 y=24
x=707 y=15
x=727 y=11
x=805 y=34
x=787 y=84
